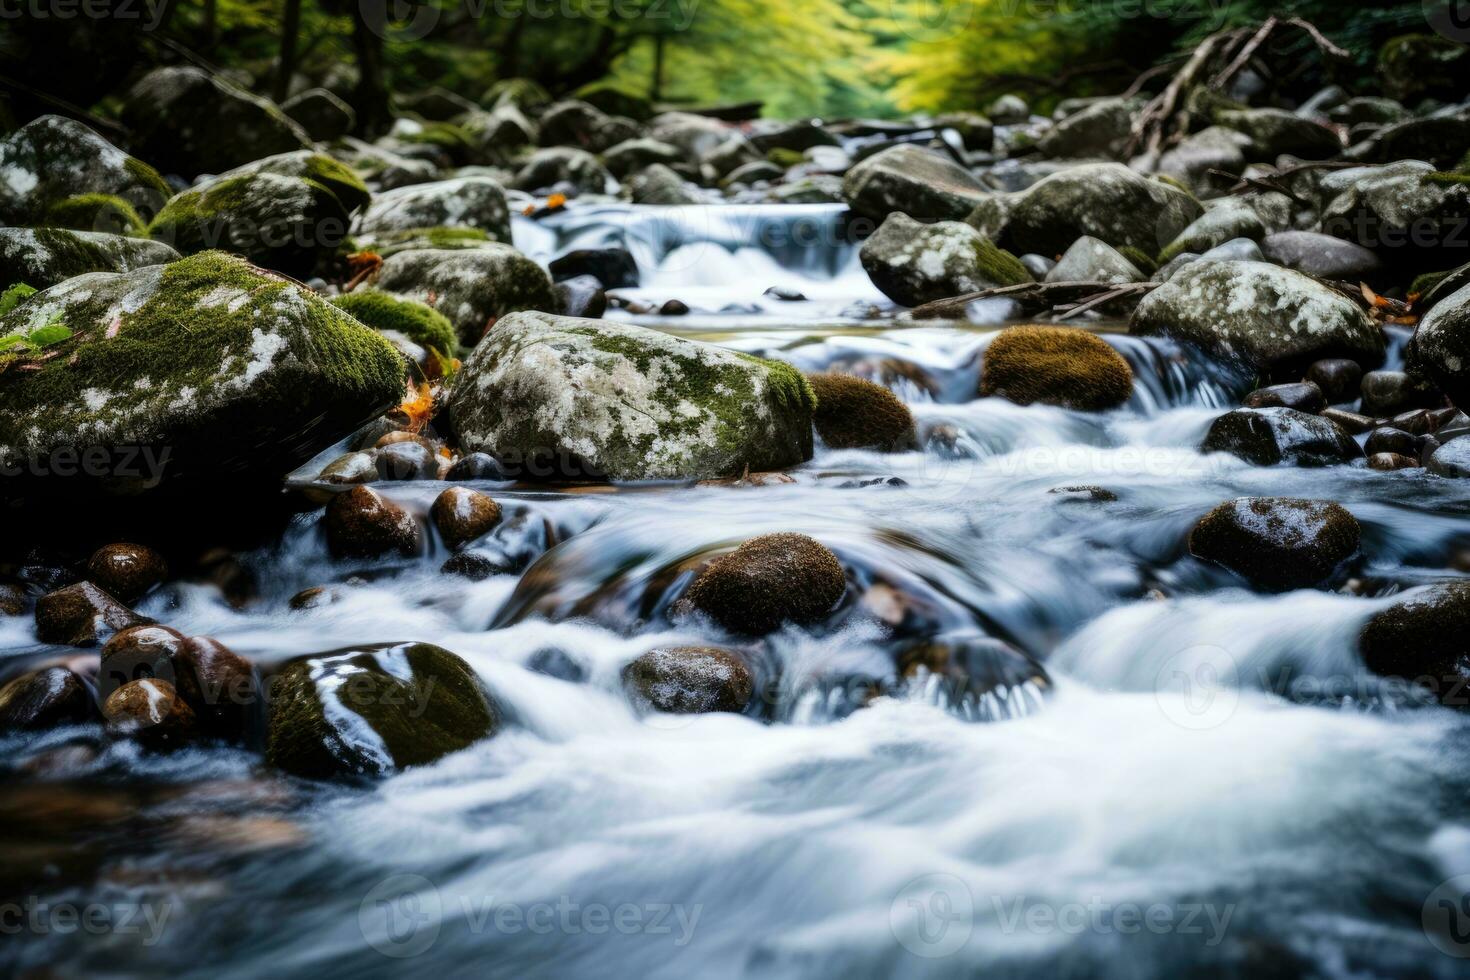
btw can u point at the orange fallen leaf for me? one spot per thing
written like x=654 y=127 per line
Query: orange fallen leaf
x=418 y=406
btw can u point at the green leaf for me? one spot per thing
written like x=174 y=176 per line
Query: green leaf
x=52 y=333
x=13 y=341
x=14 y=296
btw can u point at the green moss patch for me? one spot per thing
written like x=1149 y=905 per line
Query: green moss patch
x=417 y=321
x=96 y=212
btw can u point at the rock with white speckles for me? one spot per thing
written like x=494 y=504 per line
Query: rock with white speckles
x=205 y=368
x=915 y=263
x=562 y=397
x=473 y=287
x=919 y=183
x=464 y=202
x=1092 y=260
x=42 y=257
x=1414 y=217
x=53 y=159
x=1277 y=542
x=1259 y=315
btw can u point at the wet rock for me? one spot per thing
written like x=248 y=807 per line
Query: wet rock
x=1451 y=459
x=1268 y=436
x=1038 y=265
x=1261 y=315
x=969 y=668
x=1084 y=494
x=1277 y=543
x=923 y=185
x=475 y=466
x=1093 y=260
x=152 y=712
x=1390 y=392
x=476 y=568
x=323 y=115
x=735 y=152
x=1009 y=110
x=232 y=373
x=52 y=160
x=138 y=653
x=1339 y=379
x=913 y=263
x=472 y=287
x=1321 y=255
x=81 y=615
x=1304 y=396
x=574 y=123
x=770 y=580
x=1441 y=346
x=557 y=663
x=350 y=468
x=1390 y=440
x=1392 y=461
x=361 y=523
x=371 y=712
x=658 y=185
x=43 y=257
x=556 y=165
x=462 y=202
x=1106 y=201
x=462 y=515
x=1274 y=132
x=581 y=296
x=689 y=680
x=1064 y=366
x=1441 y=140
x=909 y=380
x=1401 y=212
x=1100 y=130
x=753 y=173
x=13 y=600
x=188 y=121
x=1421 y=637
x=1350 y=422
x=615 y=268
x=631 y=156
x=127 y=571
x=1212 y=148
x=674 y=307
x=561 y=394
x=856 y=414
x=316 y=597
x=220 y=687
x=43 y=699
x=406 y=461
x=1217 y=226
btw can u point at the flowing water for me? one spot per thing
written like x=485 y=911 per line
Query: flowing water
x=1211 y=783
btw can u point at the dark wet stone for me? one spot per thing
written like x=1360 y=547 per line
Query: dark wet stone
x=785 y=294
x=81 y=615
x=1268 y=436
x=220 y=686
x=462 y=515
x=1350 y=422
x=13 y=600
x=674 y=307
x=314 y=598
x=406 y=460
x=971 y=667
x=152 y=712
x=581 y=296
x=46 y=698
x=138 y=653
x=476 y=568
x=362 y=523
x=127 y=571
x=1388 y=393
x=1451 y=459
x=1421 y=637
x=689 y=680
x=1277 y=543
x=1339 y=379
x=767 y=581
x=1084 y=494
x=557 y=663
x=475 y=466
x=1392 y=461
x=615 y=268
x=1304 y=396
x=350 y=468
x=1390 y=440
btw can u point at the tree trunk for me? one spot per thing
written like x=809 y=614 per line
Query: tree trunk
x=210 y=27
x=286 y=67
x=656 y=90
x=371 y=96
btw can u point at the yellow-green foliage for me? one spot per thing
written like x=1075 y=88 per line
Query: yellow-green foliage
x=1064 y=366
x=96 y=212
x=417 y=321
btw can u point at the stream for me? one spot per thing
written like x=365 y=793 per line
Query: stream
x=1208 y=780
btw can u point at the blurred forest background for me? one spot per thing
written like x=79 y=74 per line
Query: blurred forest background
x=831 y=58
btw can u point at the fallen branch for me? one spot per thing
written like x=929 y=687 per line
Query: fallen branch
x=1034 y=296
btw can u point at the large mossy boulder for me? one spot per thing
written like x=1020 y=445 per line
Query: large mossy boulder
x=417 y=321
x=1063 y=366
x=1105 y=200
x=914 y=263
x=1260 y=315
x=286 y=212
x=51 y=159
x=1277 y=543
x=372 y=712
x=923 y=185
x=42 y=257
x=189 y=122
x=204 y=369
x=473 y=287
x=462 y=202
x=855 y=413
x=626 y=403
x=1413 y=66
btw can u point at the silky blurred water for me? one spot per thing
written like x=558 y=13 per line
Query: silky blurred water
x=1213 y=785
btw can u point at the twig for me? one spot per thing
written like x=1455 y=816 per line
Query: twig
x=1244 y=57
x=1034 y=294
x=1104 y=298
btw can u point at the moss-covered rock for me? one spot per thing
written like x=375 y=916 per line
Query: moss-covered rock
x=557 y=164
x=626 y=402
x=923 y=185
x=1093 y=260
x=1421 y=636
x=1269 y=436
x=370 y=712
x=915 y=263
x=767 y=581
x=853 y=413
x=190 y=122
x=203 y=368
x=95 y=212
x=322 y=114
x=43 y=257
x=417 y=321
x=1277 y=543
x=1415 y=65
x=658 y=185
x=1259 y=315
x=1441 y=140
x=1064 y=366
x=1399 y=210
x=1274 y=132
x=389 y=243
x=52 y=159
x=287 y=212
x=633 y=155
x=689 y=680
x=473 y=287
x=1220 y=224
x=1105 y=200
x=463 y=202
